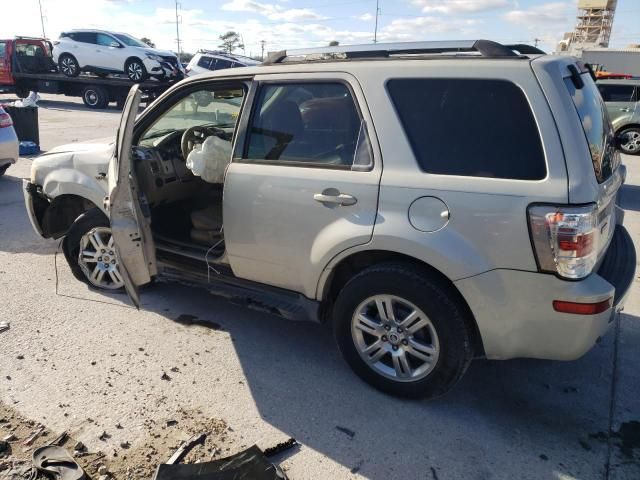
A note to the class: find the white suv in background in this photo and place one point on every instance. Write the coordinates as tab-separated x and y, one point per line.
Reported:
210	60
103	52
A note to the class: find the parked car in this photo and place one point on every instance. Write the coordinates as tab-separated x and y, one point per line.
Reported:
622	98
103	52
8	142
211	60
499	240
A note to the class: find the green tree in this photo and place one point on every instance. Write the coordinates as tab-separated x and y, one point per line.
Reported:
334	43
148	42
230	41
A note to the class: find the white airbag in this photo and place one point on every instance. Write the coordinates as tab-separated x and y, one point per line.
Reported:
210	159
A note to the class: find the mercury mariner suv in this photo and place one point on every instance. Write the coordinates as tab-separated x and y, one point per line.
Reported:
434	202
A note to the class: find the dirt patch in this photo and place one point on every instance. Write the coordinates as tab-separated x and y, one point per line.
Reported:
126	461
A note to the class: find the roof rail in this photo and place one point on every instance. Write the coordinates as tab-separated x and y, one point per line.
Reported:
525	49
485	48
24	37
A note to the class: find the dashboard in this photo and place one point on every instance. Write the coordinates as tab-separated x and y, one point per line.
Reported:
162	172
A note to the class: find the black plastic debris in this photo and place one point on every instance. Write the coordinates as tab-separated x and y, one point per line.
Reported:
251	464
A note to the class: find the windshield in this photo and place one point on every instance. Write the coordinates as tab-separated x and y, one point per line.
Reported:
596	126
129	40
217	108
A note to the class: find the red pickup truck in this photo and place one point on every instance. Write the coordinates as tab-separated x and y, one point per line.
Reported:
26	64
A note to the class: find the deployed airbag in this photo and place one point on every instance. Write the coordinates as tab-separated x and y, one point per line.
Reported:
210	159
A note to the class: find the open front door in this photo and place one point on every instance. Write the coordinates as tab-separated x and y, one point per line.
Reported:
130	228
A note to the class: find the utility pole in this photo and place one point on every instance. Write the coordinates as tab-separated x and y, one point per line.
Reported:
262	44
41	19
535	42
178	29
375	32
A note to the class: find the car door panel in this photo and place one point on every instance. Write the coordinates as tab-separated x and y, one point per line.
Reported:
285	222
131	230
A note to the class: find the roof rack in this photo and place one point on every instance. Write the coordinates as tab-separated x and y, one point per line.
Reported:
222	53
484	48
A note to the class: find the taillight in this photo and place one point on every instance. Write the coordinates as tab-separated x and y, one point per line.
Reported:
565	239
5	120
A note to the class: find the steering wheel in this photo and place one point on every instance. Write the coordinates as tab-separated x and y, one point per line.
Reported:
193	136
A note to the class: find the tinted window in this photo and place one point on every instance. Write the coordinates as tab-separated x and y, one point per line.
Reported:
3	48
84	37
616	93
221	64
478	128
205	62
596	126
314	123
105	40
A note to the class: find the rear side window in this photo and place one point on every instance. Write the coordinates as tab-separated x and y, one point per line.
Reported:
222	64
616	93
476	128
205	62
3	49
84	37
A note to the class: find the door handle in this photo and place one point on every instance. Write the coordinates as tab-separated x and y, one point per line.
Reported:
627	110
337	198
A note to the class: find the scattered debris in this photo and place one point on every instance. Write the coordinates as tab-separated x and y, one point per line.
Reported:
350	433
4	326
171	423
103	470
79	447
189	320
125	445
186	447
250	463
104	436
35	434
356	468
543	457
20	357
165	377
60	439
10	438
4	446
56	462
281	447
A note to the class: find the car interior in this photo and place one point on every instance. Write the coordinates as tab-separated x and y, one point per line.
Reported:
181	158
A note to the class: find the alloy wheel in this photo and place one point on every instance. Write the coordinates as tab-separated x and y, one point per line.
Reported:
97	259
68	66
630	141
395	338
134	71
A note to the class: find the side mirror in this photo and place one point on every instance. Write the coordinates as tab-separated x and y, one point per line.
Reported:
115	45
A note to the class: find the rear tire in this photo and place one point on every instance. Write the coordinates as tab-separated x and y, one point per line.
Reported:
4	169
630	140
135	70
95	97
68	65
422	357
98	266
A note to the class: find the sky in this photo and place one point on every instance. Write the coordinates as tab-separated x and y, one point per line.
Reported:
307	23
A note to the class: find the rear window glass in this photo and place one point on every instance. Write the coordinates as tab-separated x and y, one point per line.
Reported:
616	93
477	128
595	124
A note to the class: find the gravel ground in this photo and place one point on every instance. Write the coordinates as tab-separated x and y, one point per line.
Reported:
85	362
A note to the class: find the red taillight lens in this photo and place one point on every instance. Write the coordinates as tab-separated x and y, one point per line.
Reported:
582	308
565	238
5	120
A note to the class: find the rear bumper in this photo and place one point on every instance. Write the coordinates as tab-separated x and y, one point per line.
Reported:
514	309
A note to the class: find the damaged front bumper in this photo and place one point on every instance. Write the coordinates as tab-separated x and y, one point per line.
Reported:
36	204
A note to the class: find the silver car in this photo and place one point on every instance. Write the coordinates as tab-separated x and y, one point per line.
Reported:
622	98
432	202
8	142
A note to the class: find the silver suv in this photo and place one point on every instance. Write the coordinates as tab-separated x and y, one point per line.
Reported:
434	202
